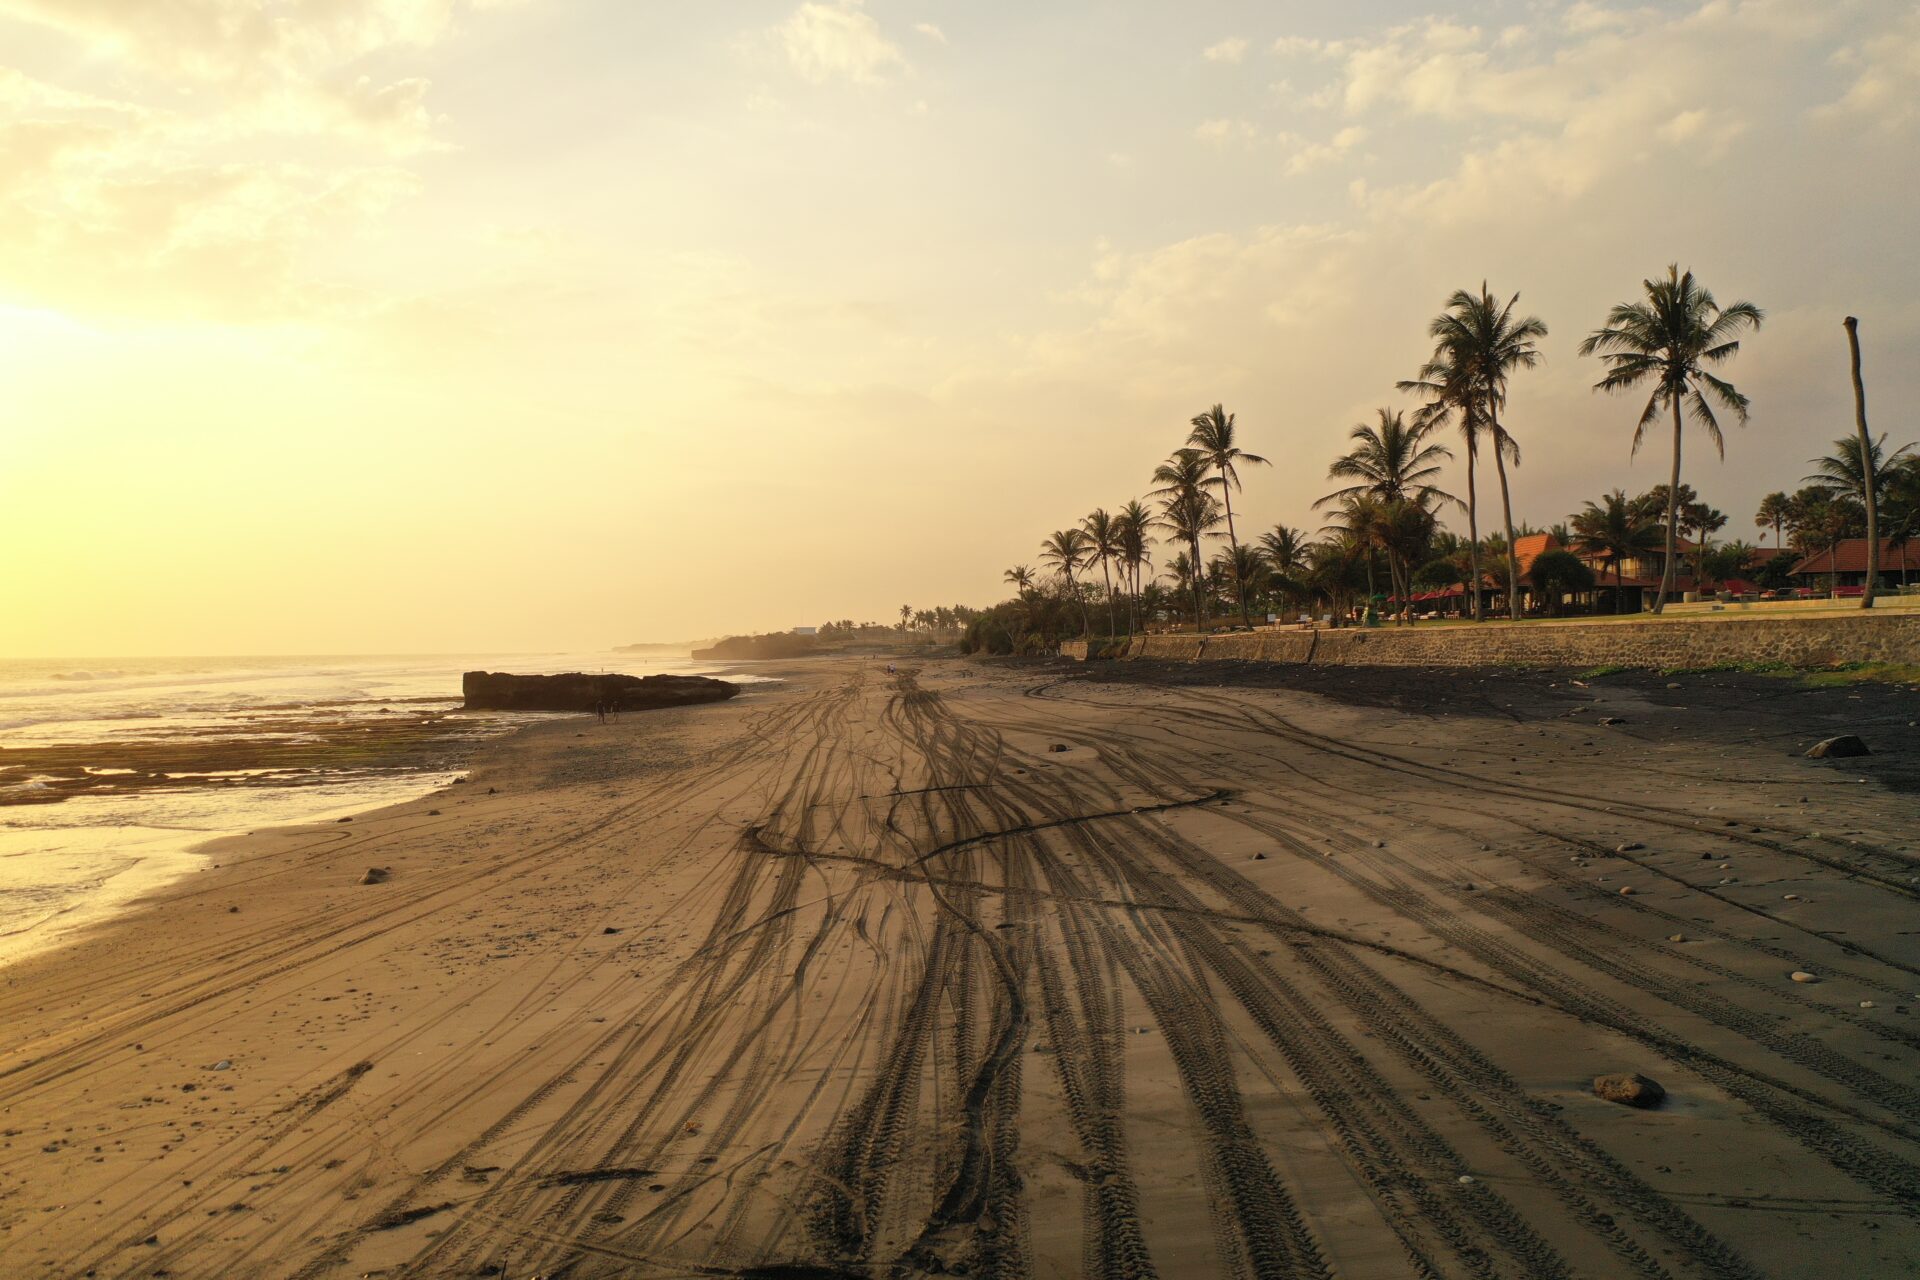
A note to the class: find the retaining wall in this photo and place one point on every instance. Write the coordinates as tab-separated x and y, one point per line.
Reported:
1802	642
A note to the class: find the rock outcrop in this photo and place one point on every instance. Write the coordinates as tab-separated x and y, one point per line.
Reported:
499	691
1835	748
1629	1090
754	648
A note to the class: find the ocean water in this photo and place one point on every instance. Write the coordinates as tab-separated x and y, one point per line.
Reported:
112	771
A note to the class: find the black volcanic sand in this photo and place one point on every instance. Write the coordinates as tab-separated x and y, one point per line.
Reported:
1712	709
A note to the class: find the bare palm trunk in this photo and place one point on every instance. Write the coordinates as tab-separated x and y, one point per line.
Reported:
1199	600
1866	468
1108	579
1506	510
1233	539
1673	517
1473	527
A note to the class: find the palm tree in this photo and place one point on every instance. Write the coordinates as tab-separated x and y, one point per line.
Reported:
1133	527
1285	549
1842	472
1612	533
1483	342
1103	544
1245	567
1066	551
1773	511
1448	386
1187	510
1213	436
1852	326
1668	340
906	611
1390	460
1020	577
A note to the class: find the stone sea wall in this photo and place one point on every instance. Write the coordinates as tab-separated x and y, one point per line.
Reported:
1802	642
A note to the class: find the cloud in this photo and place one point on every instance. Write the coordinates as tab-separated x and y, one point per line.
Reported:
931	32
245	138
1226	132
1232	49
1885	90
1318	155
840	41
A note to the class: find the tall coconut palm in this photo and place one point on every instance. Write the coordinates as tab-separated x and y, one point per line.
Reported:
1066	551
1020	577
1187	511
1447	384
1103	545
1668	339
1213	436
906	612
1483	340
1391	460
1773	511
1610	532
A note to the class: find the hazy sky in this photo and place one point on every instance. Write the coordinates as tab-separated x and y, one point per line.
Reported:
421	325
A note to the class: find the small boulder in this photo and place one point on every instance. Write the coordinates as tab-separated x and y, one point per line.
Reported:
1801	975
1630	846
1676	937
1836	748
1611	720
1626	891
1629	1090
375	875
1059	746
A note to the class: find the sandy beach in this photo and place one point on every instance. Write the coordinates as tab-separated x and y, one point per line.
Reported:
1024	969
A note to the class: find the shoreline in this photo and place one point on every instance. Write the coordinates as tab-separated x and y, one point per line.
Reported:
272	1067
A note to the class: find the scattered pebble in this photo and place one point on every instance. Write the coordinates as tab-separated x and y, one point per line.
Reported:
1801	975
1629	847
1676	937
1866	1004
1466	1179
1626	891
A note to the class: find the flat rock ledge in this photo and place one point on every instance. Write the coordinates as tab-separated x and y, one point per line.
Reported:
1629	1090
575	691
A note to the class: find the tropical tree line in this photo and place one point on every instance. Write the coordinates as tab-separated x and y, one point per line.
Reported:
1384	536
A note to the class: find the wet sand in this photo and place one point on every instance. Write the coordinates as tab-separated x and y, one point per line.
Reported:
1260	975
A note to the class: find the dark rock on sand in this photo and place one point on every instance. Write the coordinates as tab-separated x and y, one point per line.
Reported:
1837	748
1629	1090
375	875
499	691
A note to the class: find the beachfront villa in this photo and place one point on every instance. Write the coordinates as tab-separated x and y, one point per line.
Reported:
1845	565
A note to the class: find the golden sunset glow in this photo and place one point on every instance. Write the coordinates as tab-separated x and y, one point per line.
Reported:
399	325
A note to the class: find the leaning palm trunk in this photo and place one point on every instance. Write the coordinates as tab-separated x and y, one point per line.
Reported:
1866	470
1673	517
1473	526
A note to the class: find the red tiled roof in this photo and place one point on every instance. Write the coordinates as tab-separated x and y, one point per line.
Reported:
1530	548
1851	556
